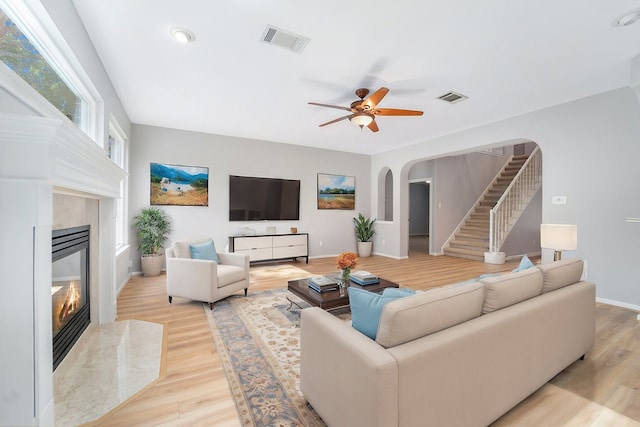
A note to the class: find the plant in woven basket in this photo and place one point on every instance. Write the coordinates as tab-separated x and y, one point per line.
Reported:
152	226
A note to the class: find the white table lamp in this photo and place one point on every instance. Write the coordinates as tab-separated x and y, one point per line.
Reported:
559	237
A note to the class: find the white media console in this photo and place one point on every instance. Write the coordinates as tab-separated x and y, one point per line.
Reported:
267	247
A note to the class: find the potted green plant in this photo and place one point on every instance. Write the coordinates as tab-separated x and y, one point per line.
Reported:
152	226
364	232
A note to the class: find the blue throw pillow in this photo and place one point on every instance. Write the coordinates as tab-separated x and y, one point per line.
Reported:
366	308
206	250
524	264
400	292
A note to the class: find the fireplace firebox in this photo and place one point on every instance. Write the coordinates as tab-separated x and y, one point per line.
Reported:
69	288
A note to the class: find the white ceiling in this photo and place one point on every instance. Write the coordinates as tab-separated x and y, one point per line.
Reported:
509	56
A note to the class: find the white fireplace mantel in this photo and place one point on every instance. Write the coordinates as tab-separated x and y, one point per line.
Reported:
40	156
56	151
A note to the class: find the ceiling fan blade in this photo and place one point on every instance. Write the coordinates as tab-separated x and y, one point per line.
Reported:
336	120
330	106
374	98
395	112
373	126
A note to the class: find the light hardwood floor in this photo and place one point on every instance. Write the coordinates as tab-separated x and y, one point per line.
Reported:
603	390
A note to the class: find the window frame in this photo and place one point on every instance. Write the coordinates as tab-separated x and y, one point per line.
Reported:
32	19
121	159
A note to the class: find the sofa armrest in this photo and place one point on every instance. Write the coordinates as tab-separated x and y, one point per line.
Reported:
231	258
191	278
348	378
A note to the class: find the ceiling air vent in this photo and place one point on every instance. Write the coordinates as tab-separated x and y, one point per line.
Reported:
452	97
286	39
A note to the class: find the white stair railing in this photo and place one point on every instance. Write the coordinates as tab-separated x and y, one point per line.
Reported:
515	198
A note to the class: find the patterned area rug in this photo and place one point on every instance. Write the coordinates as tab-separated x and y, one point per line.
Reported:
258	341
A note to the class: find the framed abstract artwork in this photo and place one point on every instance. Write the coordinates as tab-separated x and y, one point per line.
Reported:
179	185
336	192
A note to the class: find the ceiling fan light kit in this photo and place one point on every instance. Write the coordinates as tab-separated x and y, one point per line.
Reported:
363	110
361	119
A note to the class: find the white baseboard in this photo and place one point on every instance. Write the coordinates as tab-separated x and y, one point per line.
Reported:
619	304
389	256
122	285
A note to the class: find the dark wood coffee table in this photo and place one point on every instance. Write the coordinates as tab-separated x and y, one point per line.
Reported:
332	299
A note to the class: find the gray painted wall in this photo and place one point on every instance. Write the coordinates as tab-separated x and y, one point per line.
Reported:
330	231
590	150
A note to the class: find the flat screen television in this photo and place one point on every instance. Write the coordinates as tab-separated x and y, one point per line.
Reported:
267	199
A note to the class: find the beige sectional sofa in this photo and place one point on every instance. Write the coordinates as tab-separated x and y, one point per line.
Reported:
456	356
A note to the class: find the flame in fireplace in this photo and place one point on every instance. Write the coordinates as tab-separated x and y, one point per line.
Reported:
71	301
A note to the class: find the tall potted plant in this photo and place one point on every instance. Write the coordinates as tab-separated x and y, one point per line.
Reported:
152	226
364	232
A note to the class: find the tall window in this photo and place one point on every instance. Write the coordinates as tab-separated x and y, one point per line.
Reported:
117	151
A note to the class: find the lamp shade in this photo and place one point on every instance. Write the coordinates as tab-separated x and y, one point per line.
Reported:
559	237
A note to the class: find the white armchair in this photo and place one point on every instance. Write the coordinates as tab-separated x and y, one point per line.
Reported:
204	280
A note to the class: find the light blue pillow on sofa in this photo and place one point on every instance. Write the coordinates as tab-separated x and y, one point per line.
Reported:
206	250
525	263
401	292
366	308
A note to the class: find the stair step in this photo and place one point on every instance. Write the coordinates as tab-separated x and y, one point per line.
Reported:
476	232
476	235
479	217
475	245
489	203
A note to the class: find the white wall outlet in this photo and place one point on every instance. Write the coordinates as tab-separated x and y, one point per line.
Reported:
320	243
559	200
638	317
130	263
384	242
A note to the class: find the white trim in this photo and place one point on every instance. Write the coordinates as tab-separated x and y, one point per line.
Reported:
619	304
116	131
34	21
57	152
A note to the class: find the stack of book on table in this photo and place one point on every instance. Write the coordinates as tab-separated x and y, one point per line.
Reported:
323	284
364	278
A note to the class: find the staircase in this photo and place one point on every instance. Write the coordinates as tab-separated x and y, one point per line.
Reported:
473	236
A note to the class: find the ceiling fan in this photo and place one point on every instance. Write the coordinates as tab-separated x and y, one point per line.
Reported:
363	110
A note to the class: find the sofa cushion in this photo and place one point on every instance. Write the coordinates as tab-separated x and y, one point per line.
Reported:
206	250
560	274
366	307
228	274
424	313
503	291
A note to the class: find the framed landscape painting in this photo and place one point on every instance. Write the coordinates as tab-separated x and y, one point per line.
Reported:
179	185
336	192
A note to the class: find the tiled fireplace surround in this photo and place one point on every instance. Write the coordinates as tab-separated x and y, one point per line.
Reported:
51	176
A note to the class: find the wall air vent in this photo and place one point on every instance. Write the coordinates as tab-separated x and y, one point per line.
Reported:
452	97
286	39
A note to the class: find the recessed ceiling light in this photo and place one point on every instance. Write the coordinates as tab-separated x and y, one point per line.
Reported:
627	19
182	35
